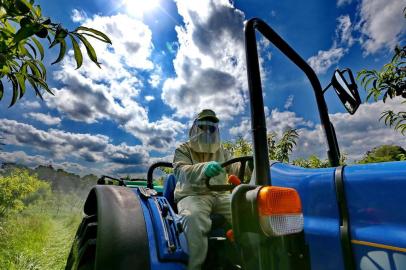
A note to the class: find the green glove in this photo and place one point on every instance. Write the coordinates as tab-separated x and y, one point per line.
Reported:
212	168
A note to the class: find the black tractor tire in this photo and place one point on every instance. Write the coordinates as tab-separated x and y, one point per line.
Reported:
112	234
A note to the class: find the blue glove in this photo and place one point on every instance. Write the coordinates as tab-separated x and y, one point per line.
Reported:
212	168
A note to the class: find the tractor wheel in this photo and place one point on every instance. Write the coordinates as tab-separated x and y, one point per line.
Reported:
112	234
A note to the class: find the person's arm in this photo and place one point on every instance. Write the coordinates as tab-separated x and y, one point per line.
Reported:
185	170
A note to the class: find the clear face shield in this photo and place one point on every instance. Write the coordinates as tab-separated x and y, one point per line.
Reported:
204	137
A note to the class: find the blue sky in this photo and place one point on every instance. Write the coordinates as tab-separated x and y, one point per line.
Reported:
169	59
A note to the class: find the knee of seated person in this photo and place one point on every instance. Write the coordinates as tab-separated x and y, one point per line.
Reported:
198	219
197	216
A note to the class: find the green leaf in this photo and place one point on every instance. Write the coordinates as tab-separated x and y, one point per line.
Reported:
59	36
24	33
23	51
46	21
367	82
43	69
34	69
33	49
4	70
21	83
23	6
94	36
89	48
34	85
44	85
104	37
1	90
15	89
77	52
38	11
62	51
9	28
364	78
362	72
39	46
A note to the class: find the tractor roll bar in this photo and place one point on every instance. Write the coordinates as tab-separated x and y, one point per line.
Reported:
151	169
258	122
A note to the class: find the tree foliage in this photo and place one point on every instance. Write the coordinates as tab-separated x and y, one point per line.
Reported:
23	30
384	153
389	82
18	189
282	148
311	162
278	149
241	147
315	162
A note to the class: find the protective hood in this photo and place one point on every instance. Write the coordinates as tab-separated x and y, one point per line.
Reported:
204	137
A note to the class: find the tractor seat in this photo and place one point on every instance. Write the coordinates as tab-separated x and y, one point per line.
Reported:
219	222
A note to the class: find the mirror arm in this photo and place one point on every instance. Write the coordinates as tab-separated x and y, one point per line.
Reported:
326	88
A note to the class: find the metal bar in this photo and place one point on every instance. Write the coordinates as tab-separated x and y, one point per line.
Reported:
257	110
151	169
345	236
258	122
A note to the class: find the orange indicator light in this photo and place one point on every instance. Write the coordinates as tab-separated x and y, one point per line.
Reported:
274	200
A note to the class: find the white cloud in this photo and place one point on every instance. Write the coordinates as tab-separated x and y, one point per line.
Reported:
30	104
63	145
32	161
341	3
289	102
22	158
149	98
344	30
382	24
210	61
155	80
276	121
325	59
343	41
91	94
356	134
46	119
78	15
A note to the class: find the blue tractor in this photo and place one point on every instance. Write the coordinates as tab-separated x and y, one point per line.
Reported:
283	217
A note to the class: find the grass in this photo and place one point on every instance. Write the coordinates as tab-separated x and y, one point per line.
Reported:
39	237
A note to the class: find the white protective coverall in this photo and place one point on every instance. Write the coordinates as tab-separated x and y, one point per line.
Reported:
195	201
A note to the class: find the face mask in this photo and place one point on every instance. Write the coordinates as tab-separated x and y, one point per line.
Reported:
204	137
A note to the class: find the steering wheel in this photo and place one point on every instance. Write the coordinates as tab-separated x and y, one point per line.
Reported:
243	161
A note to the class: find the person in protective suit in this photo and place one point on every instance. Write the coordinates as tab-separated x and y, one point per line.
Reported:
195	160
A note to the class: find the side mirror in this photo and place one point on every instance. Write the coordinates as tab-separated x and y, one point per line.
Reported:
346	89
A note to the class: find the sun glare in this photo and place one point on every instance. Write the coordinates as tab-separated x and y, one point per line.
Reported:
140	7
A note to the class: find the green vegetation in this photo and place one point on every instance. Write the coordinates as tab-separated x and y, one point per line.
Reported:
281	149
22	28
384	153
311	162
39	237
389	82
19	189
39	219
278	149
